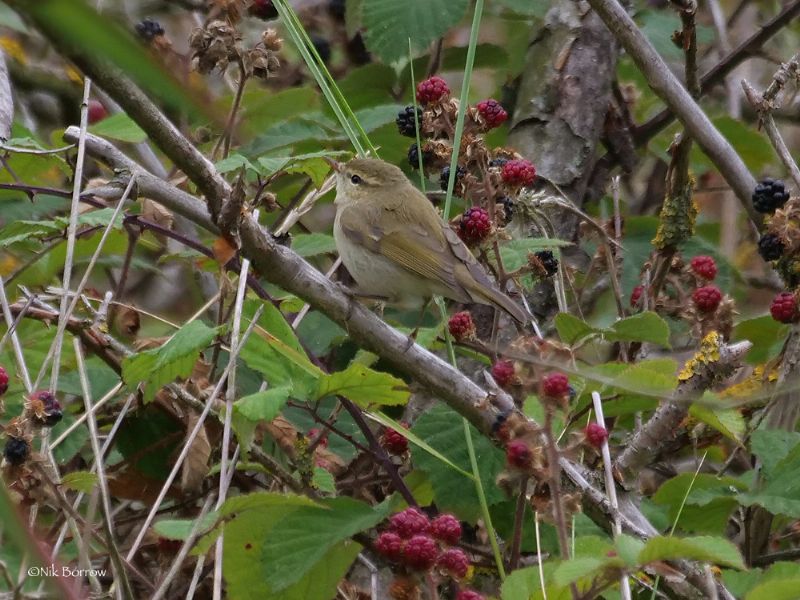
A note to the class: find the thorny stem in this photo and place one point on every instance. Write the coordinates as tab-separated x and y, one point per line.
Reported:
555	483
519	518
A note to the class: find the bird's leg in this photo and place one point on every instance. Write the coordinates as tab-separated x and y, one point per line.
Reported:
355	296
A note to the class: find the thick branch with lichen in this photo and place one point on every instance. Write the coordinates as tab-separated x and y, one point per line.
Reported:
714	361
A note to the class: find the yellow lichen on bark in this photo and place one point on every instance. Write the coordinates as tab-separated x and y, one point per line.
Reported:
708	353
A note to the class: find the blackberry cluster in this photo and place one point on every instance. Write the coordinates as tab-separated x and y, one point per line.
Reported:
444	178
549	261
17	450
337	8
263	9
503	373
405	121
595	434
461	326
508	208
770	247
475	226
149	29
769	195
413	156
322	46
393	442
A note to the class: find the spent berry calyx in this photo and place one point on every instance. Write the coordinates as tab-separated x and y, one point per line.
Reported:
16	450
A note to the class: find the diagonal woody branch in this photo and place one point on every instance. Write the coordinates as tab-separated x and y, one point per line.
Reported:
674	94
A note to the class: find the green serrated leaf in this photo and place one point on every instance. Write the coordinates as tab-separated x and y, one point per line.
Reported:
180	529
313	244
574	569
364	386
234	162
174	359
390	24
442	429
80	481
119	127
263	406
642	327
323	481
703	548
729	422
628	548
781	589
780	494
301	538
571	329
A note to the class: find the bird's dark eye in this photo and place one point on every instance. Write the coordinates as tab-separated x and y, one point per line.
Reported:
356	179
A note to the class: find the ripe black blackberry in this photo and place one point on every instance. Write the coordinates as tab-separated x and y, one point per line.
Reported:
498	162
322	46
549	262
444	178
357	51
17	450
337	9
149	29
413	156
770	247
769	195
405	121
508	208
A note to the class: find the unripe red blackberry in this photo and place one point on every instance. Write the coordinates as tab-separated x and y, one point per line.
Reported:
596	434
433	89
420	552
518	454
390	545
97	112
475	226
518	172
3	381
446	528
707	298
704	266
636	296
555	385
769	195
454	562
263	9
469	594
393	442
409	522
492	112
461	326
503	373
784	308
16	450
770	247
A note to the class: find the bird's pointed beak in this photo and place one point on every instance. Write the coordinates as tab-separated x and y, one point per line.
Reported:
335	164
